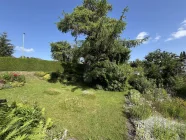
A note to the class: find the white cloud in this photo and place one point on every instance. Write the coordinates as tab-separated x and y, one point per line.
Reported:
181	32
142	35
168	39
184	23
157	38
24	49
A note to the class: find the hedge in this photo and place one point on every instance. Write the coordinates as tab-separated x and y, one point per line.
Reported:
28	64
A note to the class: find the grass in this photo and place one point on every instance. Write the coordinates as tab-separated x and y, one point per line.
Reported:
85	113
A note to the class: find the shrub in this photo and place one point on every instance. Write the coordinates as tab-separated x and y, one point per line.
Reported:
180	85
164	133
47	77
54	76
107	74
141	83
6	76
40	74
134	96
72	72
141	111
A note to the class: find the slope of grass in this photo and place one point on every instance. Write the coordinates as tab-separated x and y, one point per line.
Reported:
85	113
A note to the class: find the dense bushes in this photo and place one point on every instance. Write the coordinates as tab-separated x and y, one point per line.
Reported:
22	122
179	85
73	72
28	64
141	83
106	74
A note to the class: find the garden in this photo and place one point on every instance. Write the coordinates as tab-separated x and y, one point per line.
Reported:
92	91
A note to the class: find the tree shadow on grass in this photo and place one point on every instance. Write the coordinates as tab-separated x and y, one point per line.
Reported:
77	85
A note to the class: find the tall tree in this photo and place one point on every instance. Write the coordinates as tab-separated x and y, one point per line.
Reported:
102	44
6	48
162	66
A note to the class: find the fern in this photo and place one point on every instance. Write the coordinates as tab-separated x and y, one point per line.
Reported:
21	122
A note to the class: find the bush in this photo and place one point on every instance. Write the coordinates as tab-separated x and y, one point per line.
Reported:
47	77
21	121
141	83
172	109
72	72
28	64
164	133
141	111
54	76
179	85
134	96
40	74
107	74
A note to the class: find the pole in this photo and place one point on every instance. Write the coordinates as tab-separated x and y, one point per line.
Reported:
23	43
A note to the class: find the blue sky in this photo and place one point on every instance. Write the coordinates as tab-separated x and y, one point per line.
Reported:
163	20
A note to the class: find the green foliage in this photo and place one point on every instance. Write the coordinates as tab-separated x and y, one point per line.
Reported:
134	96
62	51
141	83
9	80
54	76
18	64
20	122
182	55
141	111
40	74
180	85
107	74
172	109
137	63
164	133
11	77
47	77
162	66
102	44
6	48
73	72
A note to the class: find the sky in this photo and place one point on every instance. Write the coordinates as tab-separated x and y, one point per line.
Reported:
164	21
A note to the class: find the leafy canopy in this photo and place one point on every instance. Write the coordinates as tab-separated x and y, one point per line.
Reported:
102	42
162	66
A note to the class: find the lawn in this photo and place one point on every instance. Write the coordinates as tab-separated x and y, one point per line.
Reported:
86	113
